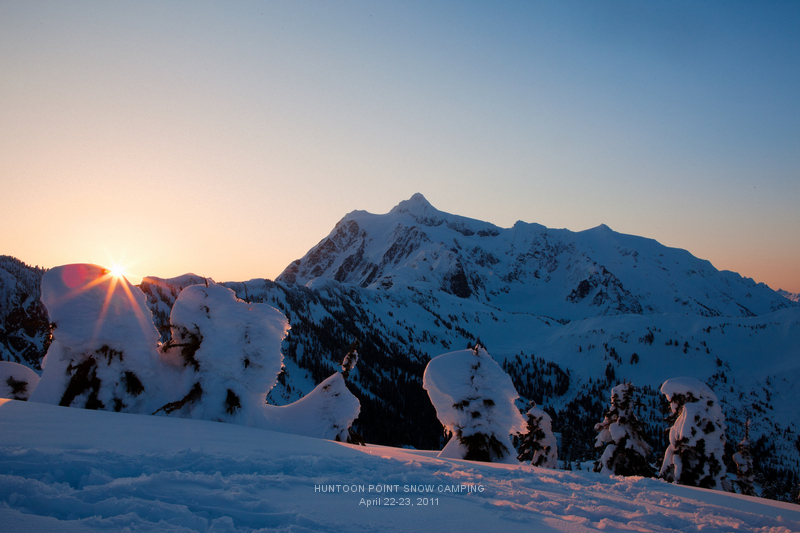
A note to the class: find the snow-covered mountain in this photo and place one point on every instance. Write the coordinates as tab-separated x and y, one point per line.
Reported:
527	268
792	296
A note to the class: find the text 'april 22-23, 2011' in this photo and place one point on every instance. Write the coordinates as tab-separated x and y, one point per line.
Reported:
395	495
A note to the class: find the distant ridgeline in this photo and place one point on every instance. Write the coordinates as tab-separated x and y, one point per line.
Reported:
567	315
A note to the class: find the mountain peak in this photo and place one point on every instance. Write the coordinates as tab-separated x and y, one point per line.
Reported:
416	205
601	229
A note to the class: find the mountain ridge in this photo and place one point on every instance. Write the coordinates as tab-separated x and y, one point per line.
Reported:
556	272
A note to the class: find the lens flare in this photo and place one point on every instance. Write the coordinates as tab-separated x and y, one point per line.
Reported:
118	271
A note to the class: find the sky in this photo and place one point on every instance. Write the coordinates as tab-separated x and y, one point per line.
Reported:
227	139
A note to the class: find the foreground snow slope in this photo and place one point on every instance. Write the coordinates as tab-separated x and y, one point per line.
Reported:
65	469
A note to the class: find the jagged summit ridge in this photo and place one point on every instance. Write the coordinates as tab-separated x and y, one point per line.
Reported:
527	268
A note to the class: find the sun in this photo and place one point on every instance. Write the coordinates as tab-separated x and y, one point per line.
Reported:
117	271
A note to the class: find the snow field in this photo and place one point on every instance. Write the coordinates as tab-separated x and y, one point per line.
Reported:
65	469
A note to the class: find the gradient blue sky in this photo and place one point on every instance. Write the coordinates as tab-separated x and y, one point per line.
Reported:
228	138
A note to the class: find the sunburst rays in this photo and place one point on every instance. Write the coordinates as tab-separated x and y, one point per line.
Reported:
81	279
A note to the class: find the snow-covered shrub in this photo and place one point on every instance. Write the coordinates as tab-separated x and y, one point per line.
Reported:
745	476
222	360
17	382
697	436
327	412
474	399
538	445
229	353
626	453
104	353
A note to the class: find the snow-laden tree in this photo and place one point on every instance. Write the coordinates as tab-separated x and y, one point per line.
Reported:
17	381
474	399
223	359
745	476
697	436
625	452
104	353
538	444
228	352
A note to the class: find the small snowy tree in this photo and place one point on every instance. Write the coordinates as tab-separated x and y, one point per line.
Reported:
17	382
697	436
744	464
538	445
474	399
620	434
104	353
228	352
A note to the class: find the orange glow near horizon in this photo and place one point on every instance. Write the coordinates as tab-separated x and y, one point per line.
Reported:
135	138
